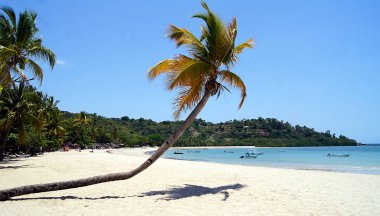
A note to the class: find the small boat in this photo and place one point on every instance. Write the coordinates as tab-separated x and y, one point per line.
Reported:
178	152
254	152
193	151
228	152
338	155
248	156
251	153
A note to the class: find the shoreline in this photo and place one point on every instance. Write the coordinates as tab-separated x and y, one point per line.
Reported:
171	187
339	168
216	147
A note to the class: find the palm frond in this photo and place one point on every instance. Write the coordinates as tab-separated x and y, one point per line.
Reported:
5	76
203	16
7	30
232	28
247	44
187	98
36	69
187	71
20	73
6	52
204	33
164	66
215	35
43	53
26	27
10	13
234	81
184	37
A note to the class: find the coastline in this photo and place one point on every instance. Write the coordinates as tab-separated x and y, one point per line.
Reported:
312	162
184	188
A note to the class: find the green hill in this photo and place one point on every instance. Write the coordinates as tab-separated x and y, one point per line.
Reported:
258	132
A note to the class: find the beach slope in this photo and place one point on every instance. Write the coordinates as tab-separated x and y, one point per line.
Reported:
173	187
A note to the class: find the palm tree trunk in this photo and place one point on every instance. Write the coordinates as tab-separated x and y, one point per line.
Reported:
38	188
3	142
2	148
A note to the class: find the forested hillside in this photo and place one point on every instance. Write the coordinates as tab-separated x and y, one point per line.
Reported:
138	132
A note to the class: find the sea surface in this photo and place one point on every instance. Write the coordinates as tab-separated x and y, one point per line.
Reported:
362	159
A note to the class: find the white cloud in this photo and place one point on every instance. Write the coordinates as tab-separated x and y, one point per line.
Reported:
60	62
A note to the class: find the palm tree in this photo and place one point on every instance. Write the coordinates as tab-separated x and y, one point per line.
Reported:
55	130
20	48
40	111
80	121
198	77
16	109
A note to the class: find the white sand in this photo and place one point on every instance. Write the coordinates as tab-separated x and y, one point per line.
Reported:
172	187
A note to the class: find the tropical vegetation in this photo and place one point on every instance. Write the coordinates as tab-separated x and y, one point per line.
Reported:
130	132
20	51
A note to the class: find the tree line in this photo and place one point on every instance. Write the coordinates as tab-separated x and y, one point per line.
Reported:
268	132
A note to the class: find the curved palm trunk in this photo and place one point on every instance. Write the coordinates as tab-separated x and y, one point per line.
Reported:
38	188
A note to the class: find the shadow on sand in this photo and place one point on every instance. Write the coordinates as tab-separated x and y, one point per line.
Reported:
188	190
17	167
174	193
67	198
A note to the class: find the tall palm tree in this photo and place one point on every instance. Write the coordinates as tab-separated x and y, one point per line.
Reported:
40	111
46	117
53	117
54	126
20	48
16	109
198	77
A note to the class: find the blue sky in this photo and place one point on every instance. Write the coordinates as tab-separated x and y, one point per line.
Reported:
316	63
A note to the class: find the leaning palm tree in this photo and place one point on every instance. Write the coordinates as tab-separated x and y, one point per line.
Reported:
20	48
204	73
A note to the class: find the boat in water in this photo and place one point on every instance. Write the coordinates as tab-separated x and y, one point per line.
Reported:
250	154
194	151
254	152
338	155
178	152
228	152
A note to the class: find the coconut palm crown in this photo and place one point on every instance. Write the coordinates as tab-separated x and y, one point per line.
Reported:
20	48
208	66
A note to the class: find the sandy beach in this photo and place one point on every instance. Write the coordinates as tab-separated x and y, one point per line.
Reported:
173	187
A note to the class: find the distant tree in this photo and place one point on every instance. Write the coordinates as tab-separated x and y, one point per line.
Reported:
54	127
81	122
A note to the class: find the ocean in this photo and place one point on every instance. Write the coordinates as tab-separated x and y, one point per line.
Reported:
362	159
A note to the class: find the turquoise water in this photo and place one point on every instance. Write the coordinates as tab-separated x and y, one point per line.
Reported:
363	159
